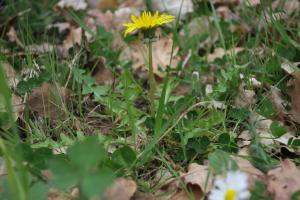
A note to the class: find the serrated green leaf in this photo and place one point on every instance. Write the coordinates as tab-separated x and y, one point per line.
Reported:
87	154
277	130
124	156
221	161
93	185
65	175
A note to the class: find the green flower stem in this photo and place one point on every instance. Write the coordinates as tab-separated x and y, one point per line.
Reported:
152	82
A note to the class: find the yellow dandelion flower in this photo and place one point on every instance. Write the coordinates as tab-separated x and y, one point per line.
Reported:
147	21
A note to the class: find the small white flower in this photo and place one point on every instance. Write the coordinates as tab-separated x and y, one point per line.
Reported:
232	187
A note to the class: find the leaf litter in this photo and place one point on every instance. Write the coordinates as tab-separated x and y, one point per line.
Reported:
50	100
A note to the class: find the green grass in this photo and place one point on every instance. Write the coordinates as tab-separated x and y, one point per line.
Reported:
109	131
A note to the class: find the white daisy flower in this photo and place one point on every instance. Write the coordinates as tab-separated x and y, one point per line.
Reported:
232	187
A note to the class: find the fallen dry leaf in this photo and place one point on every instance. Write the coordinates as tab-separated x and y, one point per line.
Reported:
196	179
198	182
246	167
49	101
95	18
55	194
201	26
244	138
162	50
110	21
245	98
174	7
102	74
122	16
75	4
277	101
225	13
18	106
108	4
195	191
220	53
289	68
138	4
10	74
74	37
122	189
283	181
251	2
295	97
262	125
116	4
198	175
182	90
12	37
288	6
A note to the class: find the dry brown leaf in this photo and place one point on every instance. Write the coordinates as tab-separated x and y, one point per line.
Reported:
244	139
289	68
18	106
10	75
262	125
220	53
245	98
288	6
174	7
283	181
108	4
246	167
122	16
263	130
202	26
162	50
197	180
75	4
182	90
295	97
225	13
277	101
196	193
12	36
138	4
96	18
49	101
251	2
55	194
116	4
198	175
102	74
74	37
121	189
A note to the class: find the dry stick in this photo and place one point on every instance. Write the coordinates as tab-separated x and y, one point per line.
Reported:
74	60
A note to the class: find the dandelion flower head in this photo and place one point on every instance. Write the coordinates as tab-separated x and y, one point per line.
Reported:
232	187
147	21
